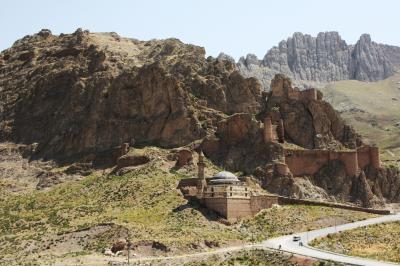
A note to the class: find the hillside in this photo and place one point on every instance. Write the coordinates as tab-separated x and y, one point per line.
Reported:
93	127
68	93
379	242
77	98
82	218
373	109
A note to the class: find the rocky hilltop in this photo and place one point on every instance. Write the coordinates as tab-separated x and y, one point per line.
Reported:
83	97
82	93
324	58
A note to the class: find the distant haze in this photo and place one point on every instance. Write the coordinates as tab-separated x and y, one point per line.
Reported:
234	27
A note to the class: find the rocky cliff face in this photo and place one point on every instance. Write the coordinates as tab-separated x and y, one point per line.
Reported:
83	92
324	58
80	95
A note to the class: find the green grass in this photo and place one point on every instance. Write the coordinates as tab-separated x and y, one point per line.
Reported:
144	203
380	242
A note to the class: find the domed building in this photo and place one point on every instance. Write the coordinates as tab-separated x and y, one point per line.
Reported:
227	185
224	193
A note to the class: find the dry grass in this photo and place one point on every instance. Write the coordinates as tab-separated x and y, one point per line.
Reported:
145	203
376	109
381	242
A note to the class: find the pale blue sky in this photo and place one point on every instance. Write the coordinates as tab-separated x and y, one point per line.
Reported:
234	27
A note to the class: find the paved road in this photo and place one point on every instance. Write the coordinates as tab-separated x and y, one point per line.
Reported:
287	243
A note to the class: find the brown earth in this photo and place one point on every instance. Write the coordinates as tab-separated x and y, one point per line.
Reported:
76	98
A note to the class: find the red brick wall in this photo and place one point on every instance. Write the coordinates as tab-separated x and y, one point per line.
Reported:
308	162
305	162
349	158
368	155
374	157
363	156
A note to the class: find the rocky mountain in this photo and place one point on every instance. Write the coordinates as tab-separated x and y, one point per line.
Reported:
78	98
324	58
82	93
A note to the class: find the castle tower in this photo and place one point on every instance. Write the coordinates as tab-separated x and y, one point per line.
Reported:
268	132
201	180
374	157
353	169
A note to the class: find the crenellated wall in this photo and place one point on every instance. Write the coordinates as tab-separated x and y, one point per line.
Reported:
308	162
296	93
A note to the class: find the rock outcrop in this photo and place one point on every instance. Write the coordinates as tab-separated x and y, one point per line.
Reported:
86	92
85	97
324	58
311	124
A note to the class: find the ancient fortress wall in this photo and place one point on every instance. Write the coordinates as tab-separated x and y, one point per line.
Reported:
291	201
309	162
261	202
350	160
305	162
368	155
295	93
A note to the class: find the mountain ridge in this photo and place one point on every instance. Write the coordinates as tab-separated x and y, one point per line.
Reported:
324	58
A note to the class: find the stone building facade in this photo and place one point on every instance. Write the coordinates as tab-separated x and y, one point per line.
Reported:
225	194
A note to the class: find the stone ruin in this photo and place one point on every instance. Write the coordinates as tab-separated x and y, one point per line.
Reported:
300	162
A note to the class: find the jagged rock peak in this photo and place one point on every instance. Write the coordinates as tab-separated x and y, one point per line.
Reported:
324	58
223	56
251	59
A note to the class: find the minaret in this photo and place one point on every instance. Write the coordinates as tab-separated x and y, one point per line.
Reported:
201	181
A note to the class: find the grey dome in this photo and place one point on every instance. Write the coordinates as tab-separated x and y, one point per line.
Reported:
224	177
